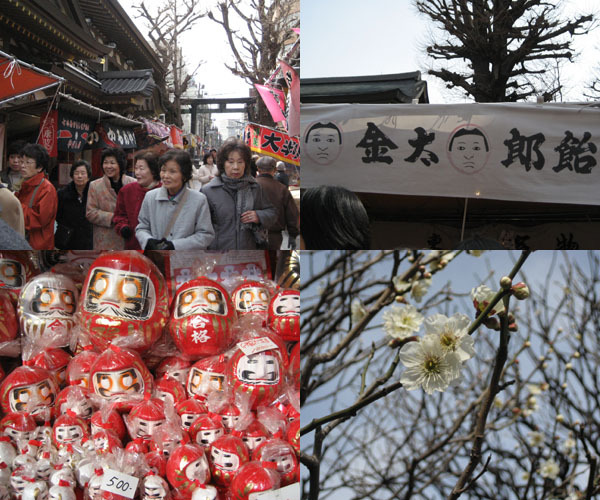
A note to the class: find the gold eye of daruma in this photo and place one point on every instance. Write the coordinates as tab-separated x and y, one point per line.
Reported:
67	297
188	297
211	296
100	284
131	288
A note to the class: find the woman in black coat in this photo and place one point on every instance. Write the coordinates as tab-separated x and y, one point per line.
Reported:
72	200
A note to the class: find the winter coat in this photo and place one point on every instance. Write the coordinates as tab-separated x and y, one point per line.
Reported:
129	203
207	173
7	179
39	218
101	204
287	212
225	217
71	213
192	228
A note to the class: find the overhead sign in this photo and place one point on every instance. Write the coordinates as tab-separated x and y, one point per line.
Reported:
73	131
522	152
271	142
108	135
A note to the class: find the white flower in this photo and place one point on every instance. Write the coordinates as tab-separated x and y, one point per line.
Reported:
482	296
534	388
549	468
419	289
428	365
358	310
452	334
401	322
535	438
569	444
400	285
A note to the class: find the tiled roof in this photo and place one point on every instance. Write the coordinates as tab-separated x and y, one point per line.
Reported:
127	82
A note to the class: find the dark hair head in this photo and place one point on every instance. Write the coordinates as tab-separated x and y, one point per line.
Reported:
14	148
469	131
182	158
37	153
229	146
119	155
152	160
80	163
323	125
266	164
206	157
333	218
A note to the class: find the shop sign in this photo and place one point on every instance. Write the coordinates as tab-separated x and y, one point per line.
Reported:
271	142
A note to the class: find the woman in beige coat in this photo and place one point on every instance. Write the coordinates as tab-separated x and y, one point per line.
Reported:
102	199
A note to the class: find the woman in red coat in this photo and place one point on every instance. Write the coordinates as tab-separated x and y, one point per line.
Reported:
129	200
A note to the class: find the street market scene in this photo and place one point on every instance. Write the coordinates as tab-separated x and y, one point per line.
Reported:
149	216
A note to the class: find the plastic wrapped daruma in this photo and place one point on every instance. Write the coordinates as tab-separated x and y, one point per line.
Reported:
201	318
124	295
47	307
16	268
254	477
30	389
284	314
251	298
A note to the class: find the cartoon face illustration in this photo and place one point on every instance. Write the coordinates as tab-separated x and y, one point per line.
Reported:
68	434
468	150
202	382
207	436
120	294
259	368
12	273
198	469
323	143
224	460
287	305
32	398
50	301
111	385
251	299
201	300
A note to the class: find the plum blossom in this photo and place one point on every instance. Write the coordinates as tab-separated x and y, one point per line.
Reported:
400	285
358	310
401	322
549	468
535	438
428	365
482	296
452	334
420	288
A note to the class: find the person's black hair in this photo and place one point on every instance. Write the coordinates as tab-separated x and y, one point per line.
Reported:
213	149
323	125
152	160
182	158
38	153
333	218
14	147
80	163
469	131
206	157
229	146
119	155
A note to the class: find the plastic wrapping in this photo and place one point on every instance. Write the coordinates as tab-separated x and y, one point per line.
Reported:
34	490
176	367
154	487
30	389
74	398
227	454
206	429
254	477
10	344
78	369
145	418
283	454
8	451
108	419
68	428
106	441
254	435
284	315
61	493
124	295
251	299
55	360
16	268
170	390
167	438
19	427
206	376
187	467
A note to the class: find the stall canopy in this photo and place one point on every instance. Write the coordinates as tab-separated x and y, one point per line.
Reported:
19	79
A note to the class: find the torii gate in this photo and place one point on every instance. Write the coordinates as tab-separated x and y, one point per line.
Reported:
222	103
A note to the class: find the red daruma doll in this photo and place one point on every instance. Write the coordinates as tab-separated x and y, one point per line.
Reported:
284	315
16	268
124	295
201	318
251	298
30	389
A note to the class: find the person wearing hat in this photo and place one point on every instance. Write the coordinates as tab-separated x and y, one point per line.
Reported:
281	175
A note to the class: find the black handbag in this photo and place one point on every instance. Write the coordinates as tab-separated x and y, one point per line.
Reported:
62	237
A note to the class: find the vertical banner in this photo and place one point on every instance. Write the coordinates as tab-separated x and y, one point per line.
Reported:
274	99
48	132
177	137
293	98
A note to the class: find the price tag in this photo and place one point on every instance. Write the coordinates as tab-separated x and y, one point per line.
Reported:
291	492
256	345
119	483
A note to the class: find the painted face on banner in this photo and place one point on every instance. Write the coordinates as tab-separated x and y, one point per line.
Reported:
120	294
323	143
468	149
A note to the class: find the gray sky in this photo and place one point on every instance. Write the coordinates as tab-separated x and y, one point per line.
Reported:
353	38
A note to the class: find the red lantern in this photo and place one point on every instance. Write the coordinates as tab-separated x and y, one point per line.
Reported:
227	455
124	295
187	467
254	477
201	318
284	314
30	389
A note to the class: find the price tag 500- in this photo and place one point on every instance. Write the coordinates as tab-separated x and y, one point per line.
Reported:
119	483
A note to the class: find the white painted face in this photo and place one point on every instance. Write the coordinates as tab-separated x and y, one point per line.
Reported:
253	442
225	460
259	369
64	474
52	302
202	382
165	396
187	419
285	463
37	490
69	434
43	433
200	300
145	428
17	482
287	305
205	492
120	294
82	408
154	488
94	491
206	437
43	469
251	299
198	469
32	398
112	385
17	436
179	374
229	420
12	273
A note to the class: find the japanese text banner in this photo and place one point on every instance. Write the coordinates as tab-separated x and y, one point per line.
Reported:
521	152
270	142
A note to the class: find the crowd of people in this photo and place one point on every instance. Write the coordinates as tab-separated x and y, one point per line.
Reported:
232	201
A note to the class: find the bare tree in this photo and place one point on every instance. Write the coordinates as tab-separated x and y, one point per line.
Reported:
256	48
521	422
167	23
504	43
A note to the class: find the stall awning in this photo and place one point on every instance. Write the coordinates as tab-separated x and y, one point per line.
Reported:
20	79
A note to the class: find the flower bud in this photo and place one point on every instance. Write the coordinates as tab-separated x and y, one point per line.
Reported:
520	291
505	282
560	418
576	354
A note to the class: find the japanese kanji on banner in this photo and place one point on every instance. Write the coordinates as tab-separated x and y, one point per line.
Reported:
271	142
521	152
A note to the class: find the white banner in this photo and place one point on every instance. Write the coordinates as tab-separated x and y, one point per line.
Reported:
521	152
